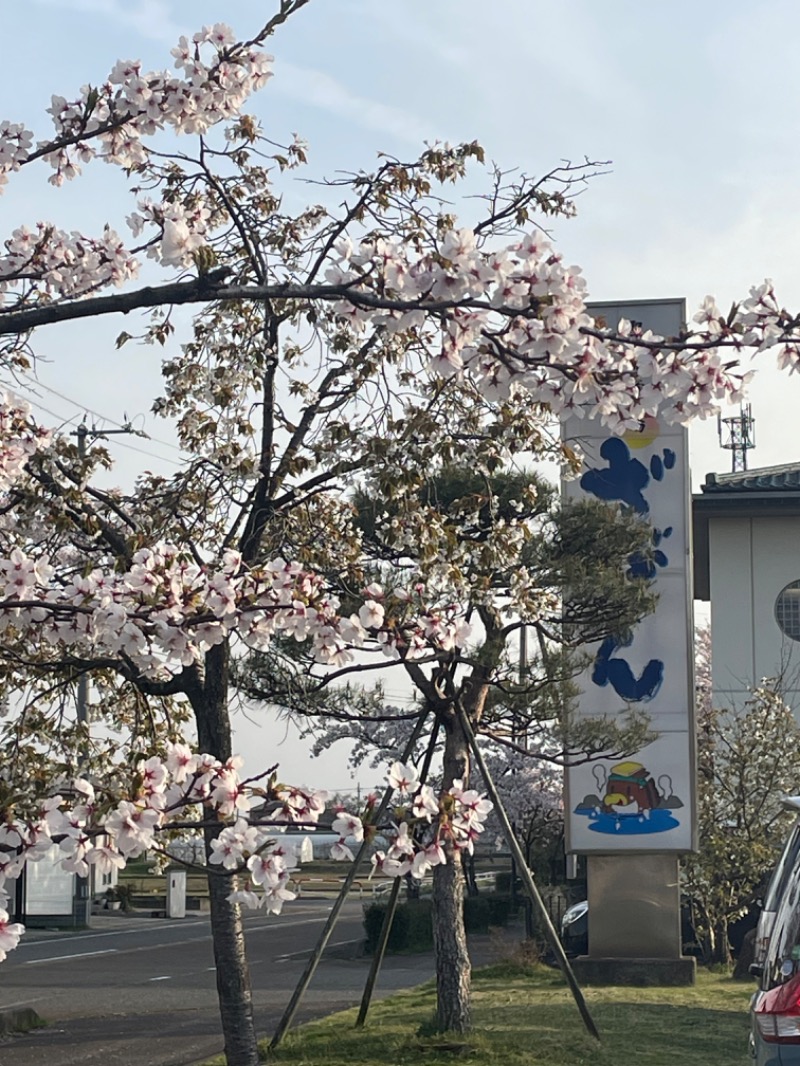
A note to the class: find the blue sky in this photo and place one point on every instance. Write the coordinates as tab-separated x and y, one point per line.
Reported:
694	105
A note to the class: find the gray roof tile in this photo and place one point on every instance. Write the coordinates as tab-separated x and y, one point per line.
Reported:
778	478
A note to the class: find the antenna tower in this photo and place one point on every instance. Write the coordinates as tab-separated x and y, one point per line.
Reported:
737	435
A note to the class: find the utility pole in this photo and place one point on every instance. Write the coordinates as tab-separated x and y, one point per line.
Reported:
82	899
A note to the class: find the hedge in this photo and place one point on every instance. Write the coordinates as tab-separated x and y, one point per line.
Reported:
412	928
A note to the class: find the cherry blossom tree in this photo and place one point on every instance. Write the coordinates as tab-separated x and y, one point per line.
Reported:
532	795
500	529
359	342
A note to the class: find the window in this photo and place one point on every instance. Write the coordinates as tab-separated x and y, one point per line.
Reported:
787	610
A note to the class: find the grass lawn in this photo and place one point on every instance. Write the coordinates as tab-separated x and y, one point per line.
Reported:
527	1016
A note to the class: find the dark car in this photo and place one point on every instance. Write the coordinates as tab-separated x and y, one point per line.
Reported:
575	929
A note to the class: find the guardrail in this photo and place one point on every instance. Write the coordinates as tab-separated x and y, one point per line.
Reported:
307	882
323	884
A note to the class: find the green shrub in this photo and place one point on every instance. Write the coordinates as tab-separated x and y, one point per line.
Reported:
502	881
481	912
412	928
121	893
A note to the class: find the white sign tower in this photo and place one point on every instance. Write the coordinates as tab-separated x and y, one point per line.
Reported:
633	817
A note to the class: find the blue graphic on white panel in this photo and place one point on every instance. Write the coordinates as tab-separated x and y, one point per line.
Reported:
617	672
629	802
646	568
625	479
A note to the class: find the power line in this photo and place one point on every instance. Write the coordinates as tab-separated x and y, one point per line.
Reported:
97	414
143	451
53	414
119	426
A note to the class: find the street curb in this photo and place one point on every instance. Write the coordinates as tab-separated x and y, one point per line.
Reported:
19	1020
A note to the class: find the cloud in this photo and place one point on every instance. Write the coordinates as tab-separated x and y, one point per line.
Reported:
153	20
421	28
149	18
319	90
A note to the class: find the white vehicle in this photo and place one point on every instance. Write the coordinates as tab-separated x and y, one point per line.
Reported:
790	857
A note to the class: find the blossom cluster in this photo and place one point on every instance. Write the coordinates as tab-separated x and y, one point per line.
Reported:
165	611
216	76
182	231
20	439
82	827
419	840
516	318
89	829
512	317
64	264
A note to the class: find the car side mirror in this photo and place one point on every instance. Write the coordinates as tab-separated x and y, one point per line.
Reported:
756	970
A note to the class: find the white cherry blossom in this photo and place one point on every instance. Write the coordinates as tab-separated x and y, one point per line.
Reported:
10	932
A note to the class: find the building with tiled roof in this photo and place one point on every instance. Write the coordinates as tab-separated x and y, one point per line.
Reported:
746	529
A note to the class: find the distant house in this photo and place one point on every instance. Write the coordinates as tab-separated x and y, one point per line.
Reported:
46	894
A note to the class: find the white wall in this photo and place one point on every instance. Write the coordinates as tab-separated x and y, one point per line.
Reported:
751	560
49	889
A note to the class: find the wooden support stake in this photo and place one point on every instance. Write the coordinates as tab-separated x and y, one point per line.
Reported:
527	879
324	937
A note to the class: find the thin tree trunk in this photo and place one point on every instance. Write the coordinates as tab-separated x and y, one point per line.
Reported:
209	698
453	970
233	974
719	944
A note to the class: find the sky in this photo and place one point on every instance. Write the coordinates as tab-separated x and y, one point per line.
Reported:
688	109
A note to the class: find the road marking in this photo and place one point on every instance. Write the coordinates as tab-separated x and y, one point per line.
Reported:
285	925
76	955
21	1002
161	978
142	925
153	925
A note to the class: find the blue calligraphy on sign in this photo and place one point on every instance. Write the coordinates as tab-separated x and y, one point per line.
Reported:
617	672
647	566
625	480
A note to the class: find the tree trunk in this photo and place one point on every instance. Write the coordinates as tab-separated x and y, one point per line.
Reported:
233	974
453	971
468	865
209	699
719	945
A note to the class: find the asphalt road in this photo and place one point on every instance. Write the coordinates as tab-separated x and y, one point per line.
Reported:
141	992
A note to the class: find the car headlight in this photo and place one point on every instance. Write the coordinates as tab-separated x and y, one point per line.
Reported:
572	914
